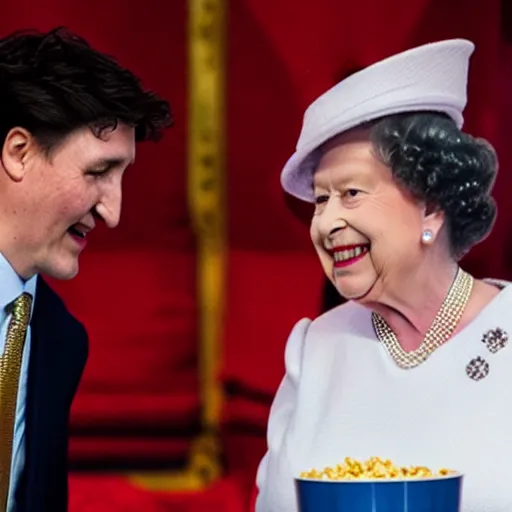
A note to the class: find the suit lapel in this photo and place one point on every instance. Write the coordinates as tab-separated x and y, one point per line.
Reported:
57	358
40	417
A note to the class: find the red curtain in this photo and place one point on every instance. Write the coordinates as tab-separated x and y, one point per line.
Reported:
136	289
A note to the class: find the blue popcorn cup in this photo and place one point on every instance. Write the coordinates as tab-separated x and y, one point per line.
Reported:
432	494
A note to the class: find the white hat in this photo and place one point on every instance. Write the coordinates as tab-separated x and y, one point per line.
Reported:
432	77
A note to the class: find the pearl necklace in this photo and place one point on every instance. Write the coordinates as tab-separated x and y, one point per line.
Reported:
439	332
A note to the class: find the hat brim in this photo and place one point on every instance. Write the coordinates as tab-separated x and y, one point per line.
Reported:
297	174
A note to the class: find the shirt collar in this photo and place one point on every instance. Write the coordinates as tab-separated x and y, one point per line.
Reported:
12	285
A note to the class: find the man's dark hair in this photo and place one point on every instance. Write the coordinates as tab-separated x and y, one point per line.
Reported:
446	168
54	83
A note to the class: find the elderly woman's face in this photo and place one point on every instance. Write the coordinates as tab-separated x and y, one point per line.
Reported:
366	229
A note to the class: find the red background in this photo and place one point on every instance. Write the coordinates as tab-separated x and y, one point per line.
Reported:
136	292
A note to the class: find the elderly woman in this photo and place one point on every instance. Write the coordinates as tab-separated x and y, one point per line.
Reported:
415	366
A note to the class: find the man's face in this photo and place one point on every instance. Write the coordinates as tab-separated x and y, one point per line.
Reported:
59	198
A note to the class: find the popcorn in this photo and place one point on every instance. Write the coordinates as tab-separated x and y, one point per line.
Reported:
374	468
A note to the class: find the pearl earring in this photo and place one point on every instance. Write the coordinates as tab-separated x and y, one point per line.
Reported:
427	236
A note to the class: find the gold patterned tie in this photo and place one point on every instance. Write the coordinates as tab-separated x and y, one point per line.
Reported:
10	366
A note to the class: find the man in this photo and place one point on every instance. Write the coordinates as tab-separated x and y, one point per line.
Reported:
69	120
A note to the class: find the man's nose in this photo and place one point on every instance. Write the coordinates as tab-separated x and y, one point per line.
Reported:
109	207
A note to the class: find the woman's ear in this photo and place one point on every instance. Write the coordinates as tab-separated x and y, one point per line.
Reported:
432	224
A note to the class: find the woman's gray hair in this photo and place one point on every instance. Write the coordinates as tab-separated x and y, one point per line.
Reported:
446	168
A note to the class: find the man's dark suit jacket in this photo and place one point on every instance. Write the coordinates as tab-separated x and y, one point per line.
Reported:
59	349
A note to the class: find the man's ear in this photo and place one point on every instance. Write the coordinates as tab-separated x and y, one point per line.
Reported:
15	152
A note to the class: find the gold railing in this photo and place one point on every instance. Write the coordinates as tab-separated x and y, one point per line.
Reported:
206	167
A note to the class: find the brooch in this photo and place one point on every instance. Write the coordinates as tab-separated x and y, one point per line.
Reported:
477	368
495	339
